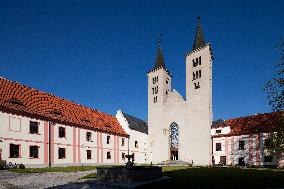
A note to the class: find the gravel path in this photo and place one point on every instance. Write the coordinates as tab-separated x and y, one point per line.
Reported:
42	180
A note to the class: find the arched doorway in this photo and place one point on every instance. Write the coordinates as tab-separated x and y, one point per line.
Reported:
174	140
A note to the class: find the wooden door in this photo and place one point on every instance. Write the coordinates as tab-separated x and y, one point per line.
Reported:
223	160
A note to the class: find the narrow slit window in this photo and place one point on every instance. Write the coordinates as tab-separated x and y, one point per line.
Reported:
62	133
108	139
108	155
122	142
199	73
89	154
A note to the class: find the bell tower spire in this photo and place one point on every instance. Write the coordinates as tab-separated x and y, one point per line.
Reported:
160	58
199	38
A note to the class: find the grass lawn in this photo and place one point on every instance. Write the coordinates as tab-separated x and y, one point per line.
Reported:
187	177
90	176
54	169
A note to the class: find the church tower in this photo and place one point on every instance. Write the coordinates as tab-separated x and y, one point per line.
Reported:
159	87
199	98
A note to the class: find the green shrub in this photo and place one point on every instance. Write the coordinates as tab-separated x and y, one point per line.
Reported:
3	164
22	166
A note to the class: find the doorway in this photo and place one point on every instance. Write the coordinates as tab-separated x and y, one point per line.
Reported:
223	160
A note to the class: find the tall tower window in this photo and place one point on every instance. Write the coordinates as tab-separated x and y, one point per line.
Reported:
196	62
196	85
155	99
199	73
155	79
193	75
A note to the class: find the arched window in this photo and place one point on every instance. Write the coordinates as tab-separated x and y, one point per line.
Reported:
174	133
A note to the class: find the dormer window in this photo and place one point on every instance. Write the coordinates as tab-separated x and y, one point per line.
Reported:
85	120
56	112
16	101
218	131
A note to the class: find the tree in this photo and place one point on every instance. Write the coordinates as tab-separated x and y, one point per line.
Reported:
275	96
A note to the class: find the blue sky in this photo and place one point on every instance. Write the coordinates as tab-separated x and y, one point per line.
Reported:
97	53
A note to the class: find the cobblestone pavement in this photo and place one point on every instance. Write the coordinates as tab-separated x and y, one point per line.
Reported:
44	180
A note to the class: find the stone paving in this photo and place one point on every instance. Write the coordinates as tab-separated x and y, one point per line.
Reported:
44	180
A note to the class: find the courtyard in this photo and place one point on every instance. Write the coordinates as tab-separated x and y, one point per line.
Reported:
182	177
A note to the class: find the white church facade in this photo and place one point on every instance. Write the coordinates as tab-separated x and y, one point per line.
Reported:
179	128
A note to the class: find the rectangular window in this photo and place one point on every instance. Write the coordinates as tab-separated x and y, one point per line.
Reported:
89	154
199	60
241	145
108	139
218	131
193	76
61	131
122	142
108	155
199	73
123	156
34	151
218	147
15	124
88	136
14	150
136	144
268	158
61	153
33	127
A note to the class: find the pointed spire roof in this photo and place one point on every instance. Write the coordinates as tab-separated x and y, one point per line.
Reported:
199	39
160	58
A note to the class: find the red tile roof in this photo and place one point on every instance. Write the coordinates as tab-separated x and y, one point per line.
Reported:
23	100
259	123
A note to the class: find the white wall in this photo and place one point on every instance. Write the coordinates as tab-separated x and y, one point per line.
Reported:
140	152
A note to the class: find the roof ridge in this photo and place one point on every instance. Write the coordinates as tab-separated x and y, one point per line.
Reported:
53	95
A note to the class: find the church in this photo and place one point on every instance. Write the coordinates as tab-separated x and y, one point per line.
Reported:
179	128
40	129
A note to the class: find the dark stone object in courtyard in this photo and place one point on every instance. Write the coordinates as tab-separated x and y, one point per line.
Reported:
129	175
